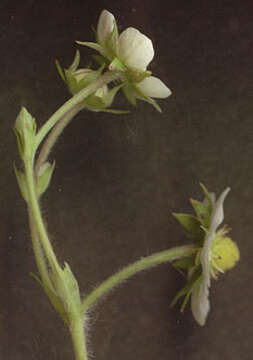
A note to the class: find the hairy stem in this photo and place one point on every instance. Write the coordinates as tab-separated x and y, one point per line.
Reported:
38	226
53	136
132	269
78	338
38	252
75	100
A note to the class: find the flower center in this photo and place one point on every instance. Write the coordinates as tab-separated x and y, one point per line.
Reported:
225	253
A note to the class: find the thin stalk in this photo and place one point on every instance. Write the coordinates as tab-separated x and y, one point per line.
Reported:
76	99
78	338
36	214
53	136
38	252
132	269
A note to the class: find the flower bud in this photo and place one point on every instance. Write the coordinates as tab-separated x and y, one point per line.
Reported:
25	130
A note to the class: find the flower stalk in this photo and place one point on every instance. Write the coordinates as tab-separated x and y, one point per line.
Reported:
132	269
78	338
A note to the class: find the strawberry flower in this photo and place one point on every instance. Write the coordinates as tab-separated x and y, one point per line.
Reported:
129	53
215	252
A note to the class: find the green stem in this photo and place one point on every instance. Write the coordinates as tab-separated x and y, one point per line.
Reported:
76	99
36	214
38	252
132	269
53	136
78	338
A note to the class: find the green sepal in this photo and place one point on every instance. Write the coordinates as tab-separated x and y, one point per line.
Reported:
21	183
60	71
185	263
202	212
44	177
71	81
99	103
67	290
116	64
54	299
190	223
208	196
137	76
93	46
153	102
129	93
101	60
25	130
115	111
187	289
95	103
148	99
75	62
19	142
109	97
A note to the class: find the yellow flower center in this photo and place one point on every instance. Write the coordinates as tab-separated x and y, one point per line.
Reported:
225	253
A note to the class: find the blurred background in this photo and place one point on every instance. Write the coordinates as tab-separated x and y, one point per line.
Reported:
118	178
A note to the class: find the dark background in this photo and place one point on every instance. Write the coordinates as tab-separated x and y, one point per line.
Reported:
118	178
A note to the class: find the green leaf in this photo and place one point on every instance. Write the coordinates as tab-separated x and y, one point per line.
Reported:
44	177
21	183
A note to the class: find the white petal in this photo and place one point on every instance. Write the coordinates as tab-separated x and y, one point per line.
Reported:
218	213
200	305
205	257
153	87
135	49
217	217
200	295
105	26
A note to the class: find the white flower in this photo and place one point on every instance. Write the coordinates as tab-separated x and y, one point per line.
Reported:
200	294
130	53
